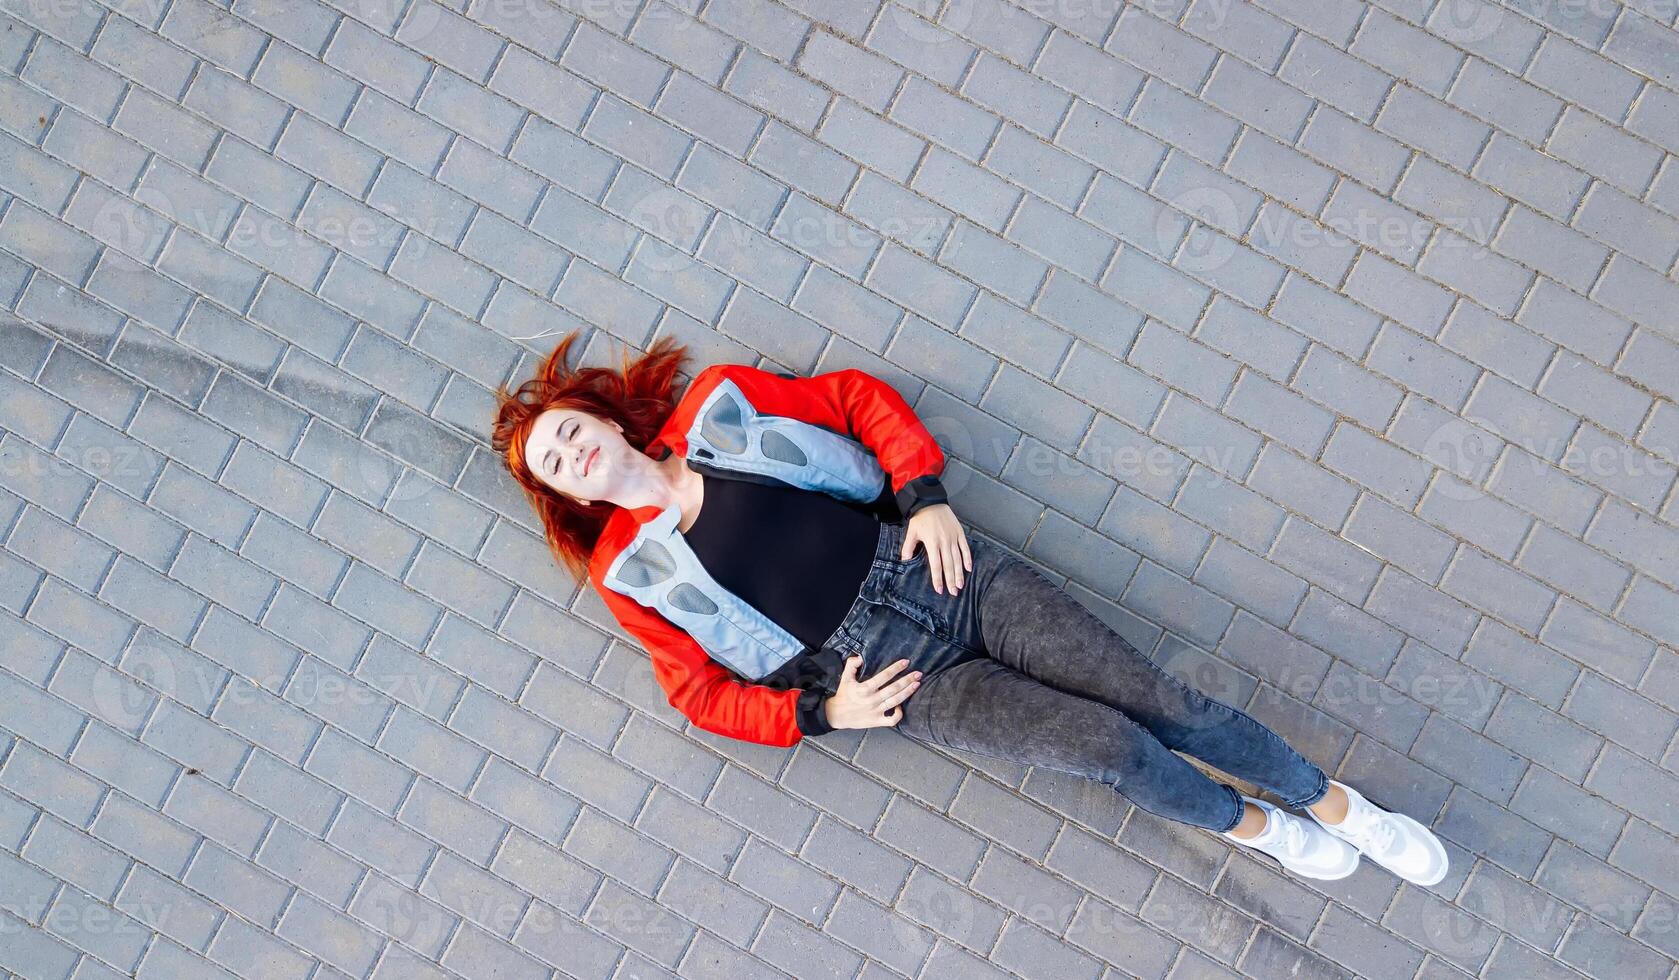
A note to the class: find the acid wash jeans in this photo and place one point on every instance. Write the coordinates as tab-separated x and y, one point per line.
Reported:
1015	668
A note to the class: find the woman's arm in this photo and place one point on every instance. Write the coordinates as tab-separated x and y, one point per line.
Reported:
706	693
862	406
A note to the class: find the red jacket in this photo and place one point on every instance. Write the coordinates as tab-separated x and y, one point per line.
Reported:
851	402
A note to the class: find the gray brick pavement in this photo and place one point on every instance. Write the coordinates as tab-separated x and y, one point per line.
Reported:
1326	349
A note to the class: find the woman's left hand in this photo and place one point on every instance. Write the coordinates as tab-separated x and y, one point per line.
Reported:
936	528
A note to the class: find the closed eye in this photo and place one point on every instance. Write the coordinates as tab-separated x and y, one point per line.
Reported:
553	457
555	469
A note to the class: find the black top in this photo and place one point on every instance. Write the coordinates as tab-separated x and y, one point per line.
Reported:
798	556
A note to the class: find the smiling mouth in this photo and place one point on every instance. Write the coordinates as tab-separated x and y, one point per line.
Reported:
589	463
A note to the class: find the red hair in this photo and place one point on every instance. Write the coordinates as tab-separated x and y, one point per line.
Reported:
639	396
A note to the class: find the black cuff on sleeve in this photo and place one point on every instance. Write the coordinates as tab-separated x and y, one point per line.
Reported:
811	721
885	506
923	491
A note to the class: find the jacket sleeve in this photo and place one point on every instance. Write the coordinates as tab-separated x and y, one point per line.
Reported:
856	403
707	694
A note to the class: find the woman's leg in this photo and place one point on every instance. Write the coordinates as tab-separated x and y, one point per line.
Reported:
988	708
1035	627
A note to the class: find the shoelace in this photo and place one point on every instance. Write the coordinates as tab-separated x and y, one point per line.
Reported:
1294	837
1375	837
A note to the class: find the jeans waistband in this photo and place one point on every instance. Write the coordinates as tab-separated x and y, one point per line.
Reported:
888	544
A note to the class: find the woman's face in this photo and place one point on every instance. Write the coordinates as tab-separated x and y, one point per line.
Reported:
576	453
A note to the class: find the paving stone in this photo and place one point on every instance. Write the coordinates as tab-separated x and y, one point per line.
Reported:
1253	274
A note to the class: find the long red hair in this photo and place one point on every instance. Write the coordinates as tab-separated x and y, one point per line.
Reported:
639	396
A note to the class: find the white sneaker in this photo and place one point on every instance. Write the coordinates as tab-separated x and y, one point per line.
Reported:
1300	847
1392	840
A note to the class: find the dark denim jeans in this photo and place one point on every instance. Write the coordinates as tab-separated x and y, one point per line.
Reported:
1017	669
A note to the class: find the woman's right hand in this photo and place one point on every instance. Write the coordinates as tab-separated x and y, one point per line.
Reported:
871	703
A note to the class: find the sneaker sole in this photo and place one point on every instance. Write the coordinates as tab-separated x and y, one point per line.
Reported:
1272	858
1345	874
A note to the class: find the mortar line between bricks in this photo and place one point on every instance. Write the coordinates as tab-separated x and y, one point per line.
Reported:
109	791
1615	21
29	48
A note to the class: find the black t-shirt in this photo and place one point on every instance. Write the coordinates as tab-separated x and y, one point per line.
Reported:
798	556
